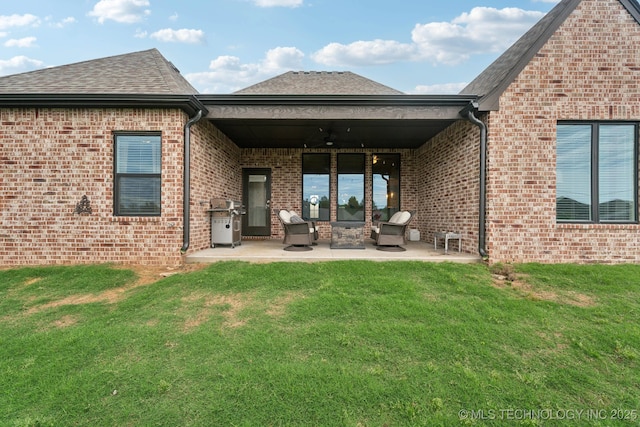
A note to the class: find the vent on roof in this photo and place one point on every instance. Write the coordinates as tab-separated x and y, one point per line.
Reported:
174	67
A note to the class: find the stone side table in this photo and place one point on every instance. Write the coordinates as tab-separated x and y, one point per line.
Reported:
347	235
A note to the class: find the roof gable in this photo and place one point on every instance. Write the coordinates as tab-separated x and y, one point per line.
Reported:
318	83
144	72
495	79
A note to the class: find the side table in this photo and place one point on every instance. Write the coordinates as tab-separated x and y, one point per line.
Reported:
447	235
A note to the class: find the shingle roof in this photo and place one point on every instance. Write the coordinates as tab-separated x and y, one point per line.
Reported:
144	72
495	79
497	76
318	83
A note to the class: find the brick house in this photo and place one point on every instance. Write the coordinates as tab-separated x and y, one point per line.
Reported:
536	160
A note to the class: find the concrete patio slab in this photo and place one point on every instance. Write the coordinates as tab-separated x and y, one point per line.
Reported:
272	250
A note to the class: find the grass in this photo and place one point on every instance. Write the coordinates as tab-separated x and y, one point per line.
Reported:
351	343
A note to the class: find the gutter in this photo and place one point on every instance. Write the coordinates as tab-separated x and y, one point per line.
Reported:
188	103
468	114
186	182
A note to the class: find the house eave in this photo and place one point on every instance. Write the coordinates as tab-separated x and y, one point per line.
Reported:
376	121
188	103
353	100
334	107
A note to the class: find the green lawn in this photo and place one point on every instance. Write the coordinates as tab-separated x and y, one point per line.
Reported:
351	343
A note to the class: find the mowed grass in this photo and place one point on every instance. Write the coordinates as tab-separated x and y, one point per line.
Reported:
352	343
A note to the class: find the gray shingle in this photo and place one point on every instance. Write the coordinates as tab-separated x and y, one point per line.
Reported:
144	72
318	83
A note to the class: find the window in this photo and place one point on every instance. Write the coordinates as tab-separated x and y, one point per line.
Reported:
350	187
596	172
316	201
137	174
386	186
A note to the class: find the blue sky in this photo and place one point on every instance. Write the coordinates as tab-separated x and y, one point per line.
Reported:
416	46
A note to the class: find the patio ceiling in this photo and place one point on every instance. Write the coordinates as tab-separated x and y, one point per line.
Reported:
294	121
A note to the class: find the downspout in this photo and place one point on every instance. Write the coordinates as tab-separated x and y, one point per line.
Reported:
483	181
186	182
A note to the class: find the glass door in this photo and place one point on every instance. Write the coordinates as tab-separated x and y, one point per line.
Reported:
256	197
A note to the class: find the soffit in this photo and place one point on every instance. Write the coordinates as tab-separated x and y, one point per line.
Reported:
393	121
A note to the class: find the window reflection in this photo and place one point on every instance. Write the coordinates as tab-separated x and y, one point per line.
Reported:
596	169
386	186
316	202
350	187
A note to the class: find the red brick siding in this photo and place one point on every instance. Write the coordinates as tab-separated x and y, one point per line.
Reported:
286	177
448	184
588	70
50	158
215	173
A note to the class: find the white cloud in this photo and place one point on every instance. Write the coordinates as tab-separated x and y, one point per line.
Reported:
19	64
179	36
483	30
278	3
282	58
23	42
228	74
376	52
174	17
11	21
61	24
123	11
446	88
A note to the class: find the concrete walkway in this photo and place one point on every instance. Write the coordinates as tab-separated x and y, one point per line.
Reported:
258	251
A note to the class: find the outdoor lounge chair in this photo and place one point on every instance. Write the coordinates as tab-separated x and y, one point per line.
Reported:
389	235
299	234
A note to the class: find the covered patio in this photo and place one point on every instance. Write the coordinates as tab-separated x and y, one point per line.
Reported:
336	147
271	250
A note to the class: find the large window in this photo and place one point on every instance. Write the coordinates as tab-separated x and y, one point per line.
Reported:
351	187
137	174
386	186
596	172
316	201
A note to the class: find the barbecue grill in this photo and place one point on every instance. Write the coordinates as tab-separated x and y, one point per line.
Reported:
226	224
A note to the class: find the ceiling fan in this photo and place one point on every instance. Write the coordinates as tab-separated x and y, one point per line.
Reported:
330	139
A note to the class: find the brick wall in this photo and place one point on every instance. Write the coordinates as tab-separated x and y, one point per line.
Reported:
50	158
588	70
215	173
448	184
286	177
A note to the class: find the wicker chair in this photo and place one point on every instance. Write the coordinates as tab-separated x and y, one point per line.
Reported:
299	235
389	235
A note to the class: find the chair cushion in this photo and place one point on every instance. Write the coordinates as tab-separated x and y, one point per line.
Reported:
404	217
295	219
394	217
375	229
285	216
